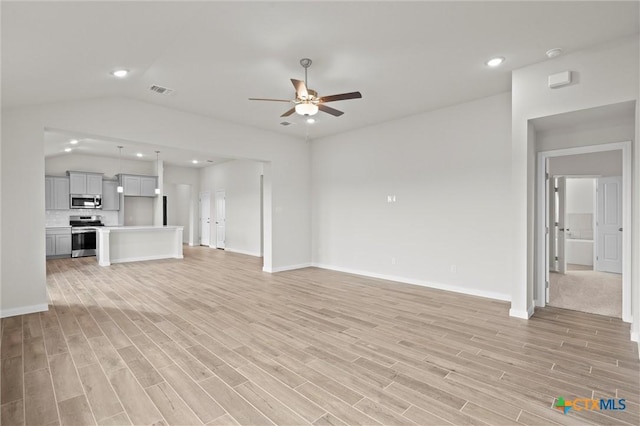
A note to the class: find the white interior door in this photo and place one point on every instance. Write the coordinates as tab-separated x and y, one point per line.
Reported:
561	199
205	219
609	225
220	219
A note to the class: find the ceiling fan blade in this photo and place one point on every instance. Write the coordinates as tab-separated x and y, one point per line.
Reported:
288	113
301	88
341	97
273	100
330	110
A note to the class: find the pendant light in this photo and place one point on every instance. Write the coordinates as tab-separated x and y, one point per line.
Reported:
157	190
120	189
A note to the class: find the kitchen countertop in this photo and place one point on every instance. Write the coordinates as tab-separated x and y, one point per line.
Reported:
57	226
138	228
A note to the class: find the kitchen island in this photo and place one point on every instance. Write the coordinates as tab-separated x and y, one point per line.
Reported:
119	244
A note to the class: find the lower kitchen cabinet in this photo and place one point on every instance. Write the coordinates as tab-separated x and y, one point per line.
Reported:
58	242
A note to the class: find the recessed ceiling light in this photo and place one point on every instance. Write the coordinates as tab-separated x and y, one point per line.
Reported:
139	154
73	141
552	53
494	62
120	73
67	150
194	161
311	120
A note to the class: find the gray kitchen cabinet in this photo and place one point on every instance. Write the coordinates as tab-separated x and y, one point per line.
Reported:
63	244
82	183
110	196
56	192
94	184
48	193
139	186
58	242
131	185
147	186
61	193
51	245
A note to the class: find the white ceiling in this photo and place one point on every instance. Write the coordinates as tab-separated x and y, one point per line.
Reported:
405	57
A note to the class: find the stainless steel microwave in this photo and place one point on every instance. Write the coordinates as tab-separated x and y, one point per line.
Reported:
85	201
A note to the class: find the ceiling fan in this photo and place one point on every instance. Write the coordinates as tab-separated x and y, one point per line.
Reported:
307	101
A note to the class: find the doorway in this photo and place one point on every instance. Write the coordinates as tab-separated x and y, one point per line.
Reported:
552	231
584	254
205	219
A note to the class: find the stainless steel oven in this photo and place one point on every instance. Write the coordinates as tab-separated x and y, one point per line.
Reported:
84	235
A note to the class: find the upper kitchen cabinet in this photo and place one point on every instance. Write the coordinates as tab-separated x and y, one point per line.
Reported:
82	183
56	192
110	196
139	186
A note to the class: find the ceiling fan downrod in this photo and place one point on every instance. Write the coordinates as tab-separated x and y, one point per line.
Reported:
306	63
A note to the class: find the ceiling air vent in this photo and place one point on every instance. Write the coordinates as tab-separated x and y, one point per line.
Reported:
160	90
286	123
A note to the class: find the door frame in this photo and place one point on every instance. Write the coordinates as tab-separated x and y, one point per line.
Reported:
208	194
542	248
216	196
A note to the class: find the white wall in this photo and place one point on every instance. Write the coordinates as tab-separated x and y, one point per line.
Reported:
604	75
60	164
449	170
241	182
287	224
580	196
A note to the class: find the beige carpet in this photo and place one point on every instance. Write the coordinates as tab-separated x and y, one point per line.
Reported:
587	291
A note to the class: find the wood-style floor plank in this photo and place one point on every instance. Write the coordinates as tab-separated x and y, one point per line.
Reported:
100	394
212	339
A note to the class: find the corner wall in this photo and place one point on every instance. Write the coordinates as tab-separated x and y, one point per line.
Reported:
449	171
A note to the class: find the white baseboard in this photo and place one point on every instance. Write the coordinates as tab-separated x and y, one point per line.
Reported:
248	253
23	310
634	337
286	268
439	286
143	258
518	313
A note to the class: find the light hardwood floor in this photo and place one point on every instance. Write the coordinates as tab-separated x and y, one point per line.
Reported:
213	340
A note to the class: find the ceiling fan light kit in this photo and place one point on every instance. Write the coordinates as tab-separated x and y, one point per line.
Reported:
307	102
307	108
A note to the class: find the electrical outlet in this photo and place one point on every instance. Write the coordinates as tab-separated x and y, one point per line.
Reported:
391	198
454	269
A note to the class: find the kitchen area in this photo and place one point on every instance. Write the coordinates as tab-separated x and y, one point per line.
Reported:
91	203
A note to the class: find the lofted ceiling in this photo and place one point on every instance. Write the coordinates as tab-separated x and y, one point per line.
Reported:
405	57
